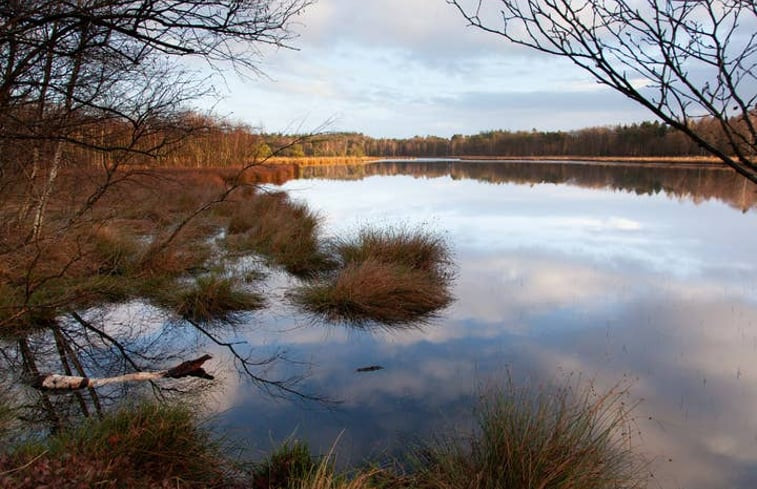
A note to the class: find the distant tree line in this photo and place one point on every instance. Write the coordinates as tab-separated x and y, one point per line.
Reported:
642	139
215	142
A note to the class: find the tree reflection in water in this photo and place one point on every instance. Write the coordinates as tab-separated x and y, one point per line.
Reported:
134	337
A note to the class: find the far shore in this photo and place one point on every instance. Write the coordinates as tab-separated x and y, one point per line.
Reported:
362	160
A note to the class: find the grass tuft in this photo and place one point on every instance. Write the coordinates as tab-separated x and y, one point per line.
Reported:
214	298
562	438
282	231
374	291
414	249
388	276
116	252
289	464
144	446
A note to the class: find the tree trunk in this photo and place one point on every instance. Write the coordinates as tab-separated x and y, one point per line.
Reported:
191	368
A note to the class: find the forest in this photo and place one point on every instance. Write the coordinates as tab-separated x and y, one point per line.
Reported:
218	143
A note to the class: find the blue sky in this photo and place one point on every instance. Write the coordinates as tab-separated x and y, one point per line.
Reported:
399	68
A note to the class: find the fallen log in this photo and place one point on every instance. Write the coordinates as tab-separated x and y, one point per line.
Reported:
190	368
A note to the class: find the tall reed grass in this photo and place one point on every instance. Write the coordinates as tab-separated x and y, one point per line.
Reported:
569	437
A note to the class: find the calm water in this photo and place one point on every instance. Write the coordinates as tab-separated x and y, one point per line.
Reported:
608	273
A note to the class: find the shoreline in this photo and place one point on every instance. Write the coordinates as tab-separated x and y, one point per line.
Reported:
635	160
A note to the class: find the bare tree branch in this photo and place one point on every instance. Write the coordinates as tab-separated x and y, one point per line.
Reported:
693	64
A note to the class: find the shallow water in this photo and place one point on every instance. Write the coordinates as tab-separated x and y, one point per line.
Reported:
637	274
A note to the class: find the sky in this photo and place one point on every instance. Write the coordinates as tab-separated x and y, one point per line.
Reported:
401	68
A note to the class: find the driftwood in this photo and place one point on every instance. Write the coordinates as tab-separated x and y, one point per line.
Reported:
190	368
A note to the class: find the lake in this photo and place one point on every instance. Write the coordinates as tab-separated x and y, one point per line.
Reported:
643	275
566	273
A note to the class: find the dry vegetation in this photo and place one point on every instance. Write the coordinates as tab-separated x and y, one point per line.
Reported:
147	446
558	438
391	276
148	239
142	240
283	231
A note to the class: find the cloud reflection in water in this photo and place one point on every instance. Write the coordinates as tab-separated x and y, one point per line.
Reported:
551	278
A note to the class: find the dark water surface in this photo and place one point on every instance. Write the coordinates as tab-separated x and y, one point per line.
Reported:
608	272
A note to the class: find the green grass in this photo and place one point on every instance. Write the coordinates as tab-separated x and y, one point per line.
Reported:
391	277
289	464
557	438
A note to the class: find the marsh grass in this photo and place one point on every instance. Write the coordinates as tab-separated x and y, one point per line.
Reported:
324	477
289	464
374	291
526	437
282	231
115	251
390	277
147	445
213	298
414	249
558	438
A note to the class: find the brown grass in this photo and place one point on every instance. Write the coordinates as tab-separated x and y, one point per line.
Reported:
282	231
375	291
145	446
213	298
414	249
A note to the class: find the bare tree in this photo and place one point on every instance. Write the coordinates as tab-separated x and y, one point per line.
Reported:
102	75
100	86
684	60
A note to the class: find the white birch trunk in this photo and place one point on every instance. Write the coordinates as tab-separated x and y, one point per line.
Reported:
191	368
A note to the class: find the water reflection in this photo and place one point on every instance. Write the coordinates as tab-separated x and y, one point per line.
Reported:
616	273
697	183
552	279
